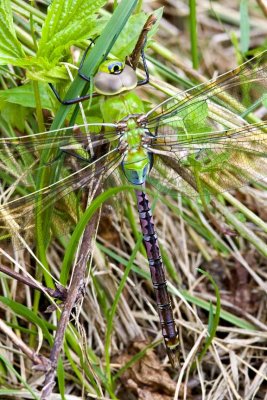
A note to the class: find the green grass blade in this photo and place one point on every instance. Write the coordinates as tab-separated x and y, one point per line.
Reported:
13	370
114	307
61	378
73	243
28	314
244	26
193	33
214	317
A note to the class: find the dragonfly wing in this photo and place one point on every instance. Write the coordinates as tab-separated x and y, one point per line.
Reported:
169	177
75	137
206	132
19	203
20	156
209	104
224	160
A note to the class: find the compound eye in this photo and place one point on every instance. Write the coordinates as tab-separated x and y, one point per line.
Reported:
115	67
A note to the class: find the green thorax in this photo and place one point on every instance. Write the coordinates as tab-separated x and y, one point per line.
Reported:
137	161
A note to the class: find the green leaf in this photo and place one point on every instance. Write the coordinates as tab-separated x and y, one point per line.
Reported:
129	36
264	100
24	96
240	216
67	22
158	14
28	314
61	378
191	118
208	160
40	69
117	107
10	47
195	114
14	114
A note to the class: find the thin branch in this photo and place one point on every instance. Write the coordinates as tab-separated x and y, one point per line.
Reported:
59	293
37	359
135	56
263	5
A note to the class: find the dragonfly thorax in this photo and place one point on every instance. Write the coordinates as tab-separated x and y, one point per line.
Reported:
137	160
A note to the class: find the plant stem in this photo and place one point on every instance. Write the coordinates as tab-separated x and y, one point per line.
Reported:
193	33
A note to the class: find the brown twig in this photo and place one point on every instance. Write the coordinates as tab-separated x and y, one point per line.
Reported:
75	292
59	293
263	5
37	359
135	56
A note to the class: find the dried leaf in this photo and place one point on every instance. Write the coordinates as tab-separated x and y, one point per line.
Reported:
146	378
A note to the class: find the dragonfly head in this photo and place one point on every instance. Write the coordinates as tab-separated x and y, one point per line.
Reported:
136	166
114	77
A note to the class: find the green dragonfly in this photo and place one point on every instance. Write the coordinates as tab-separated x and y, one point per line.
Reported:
197	142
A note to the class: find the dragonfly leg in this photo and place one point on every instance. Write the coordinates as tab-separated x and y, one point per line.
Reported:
56	158
169	330
86	78
70	101
146	80
83	76
78	156
69	153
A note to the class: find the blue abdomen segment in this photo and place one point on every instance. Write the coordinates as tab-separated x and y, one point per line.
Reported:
137	170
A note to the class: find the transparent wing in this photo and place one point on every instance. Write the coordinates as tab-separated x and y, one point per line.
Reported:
225	161
204	135
75	138
20	157
210	104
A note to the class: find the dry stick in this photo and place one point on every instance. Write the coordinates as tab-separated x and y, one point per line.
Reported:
263	5
135	56
37	359
59	293
75	291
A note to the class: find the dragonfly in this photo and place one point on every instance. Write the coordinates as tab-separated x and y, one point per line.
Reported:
195	142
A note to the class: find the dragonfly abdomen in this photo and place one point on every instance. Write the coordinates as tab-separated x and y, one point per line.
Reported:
157	272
